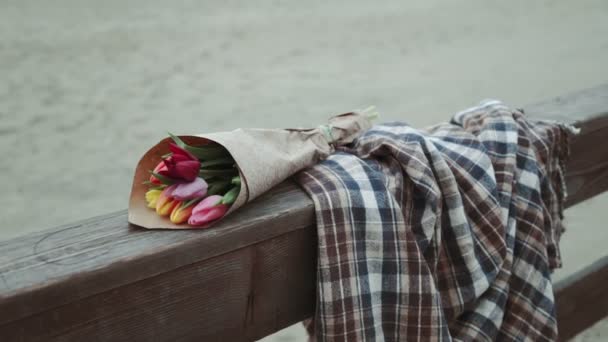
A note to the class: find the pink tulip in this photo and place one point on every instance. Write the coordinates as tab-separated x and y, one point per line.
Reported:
181	165
208	203
195	189
206	216
208	210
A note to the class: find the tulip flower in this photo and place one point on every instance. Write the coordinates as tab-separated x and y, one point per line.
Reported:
208	203
209	209
152	197
160	168
165	202
181	213
186	191
181	165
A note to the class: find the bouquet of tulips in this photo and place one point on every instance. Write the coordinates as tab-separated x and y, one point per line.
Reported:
193	181
193	184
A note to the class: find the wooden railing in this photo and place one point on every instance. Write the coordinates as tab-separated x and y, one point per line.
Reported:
254	274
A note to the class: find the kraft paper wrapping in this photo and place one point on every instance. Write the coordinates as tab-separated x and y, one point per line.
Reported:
264	157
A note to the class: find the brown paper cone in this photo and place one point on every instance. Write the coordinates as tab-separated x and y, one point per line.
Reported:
264	157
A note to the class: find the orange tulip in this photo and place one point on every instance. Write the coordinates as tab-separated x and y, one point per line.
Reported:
181	213
165	203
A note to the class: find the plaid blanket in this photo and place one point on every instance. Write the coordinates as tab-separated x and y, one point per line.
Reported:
447	233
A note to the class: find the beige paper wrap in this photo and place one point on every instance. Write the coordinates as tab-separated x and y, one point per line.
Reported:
264	157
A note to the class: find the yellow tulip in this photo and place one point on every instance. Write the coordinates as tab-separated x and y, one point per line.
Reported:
152	197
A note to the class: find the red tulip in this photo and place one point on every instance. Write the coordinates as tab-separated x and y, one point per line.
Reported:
160	168
181	165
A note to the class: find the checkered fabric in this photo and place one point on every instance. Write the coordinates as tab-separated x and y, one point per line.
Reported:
446	233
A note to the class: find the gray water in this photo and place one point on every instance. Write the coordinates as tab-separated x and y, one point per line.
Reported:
87	86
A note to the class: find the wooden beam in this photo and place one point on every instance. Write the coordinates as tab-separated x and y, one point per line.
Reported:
233	296
588	165
55	273
250	276
582	299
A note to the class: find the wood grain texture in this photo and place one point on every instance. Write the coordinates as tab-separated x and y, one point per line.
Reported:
253	274
53	267
582	299
587	169
234	296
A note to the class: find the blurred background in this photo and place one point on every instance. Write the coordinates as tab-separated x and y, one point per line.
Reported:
87	86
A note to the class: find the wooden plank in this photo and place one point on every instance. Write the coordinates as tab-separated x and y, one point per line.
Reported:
587	169
585	109
284	264
233	296
582	299
57	266
588	164
102	278
192	301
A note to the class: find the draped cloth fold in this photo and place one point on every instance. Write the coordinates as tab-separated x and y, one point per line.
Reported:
446	233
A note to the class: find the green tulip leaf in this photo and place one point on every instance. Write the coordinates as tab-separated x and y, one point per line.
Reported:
217	187
236	180
217	162
231	195
190	202
179	142
217	173
208	152
163	179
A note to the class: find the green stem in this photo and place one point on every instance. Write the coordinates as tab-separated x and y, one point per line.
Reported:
163	179
215	162
216	173
231	195
218	187
207	152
